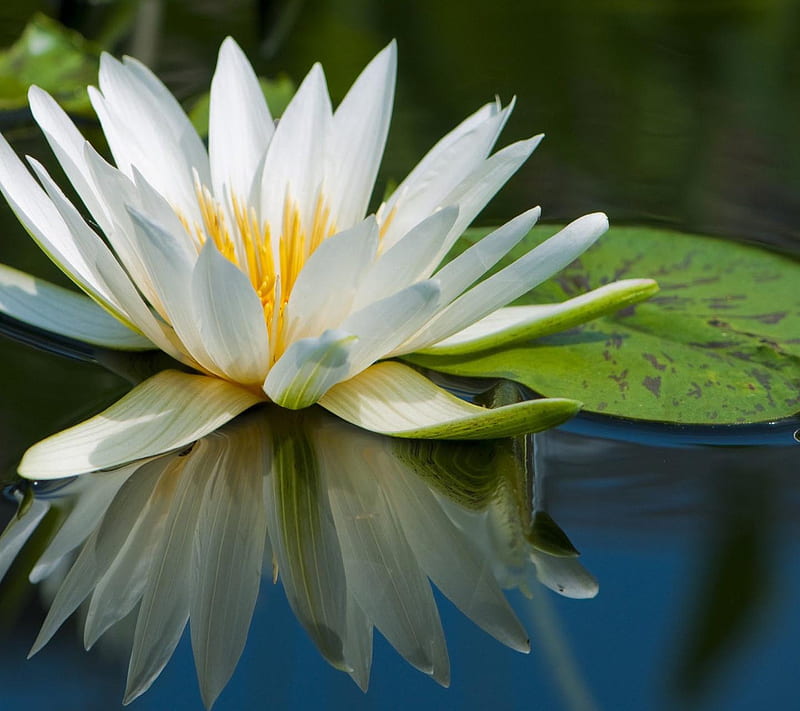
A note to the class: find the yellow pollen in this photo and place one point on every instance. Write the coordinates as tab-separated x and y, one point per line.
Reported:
384	228
272	267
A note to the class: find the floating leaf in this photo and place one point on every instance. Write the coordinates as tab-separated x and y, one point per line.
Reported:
720	343
49	55
277	92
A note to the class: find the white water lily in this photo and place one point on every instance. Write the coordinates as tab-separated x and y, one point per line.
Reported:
186	537
254	263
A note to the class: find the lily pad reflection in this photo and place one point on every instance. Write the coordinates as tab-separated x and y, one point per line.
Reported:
353	524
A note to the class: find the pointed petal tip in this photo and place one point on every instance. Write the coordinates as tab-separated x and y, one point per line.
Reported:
129	697
362	684
524	147
108	61
317	72
442	680
134	691
40	643
390	50
228	44
231	51
209	696
37	94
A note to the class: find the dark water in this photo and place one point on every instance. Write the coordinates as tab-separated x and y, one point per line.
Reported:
673	113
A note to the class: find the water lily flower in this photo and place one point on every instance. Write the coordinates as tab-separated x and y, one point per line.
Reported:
255	264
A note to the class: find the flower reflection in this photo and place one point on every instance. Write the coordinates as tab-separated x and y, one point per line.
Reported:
352	523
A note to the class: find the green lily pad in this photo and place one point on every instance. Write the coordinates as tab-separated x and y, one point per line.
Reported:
720	342
58	60
277	92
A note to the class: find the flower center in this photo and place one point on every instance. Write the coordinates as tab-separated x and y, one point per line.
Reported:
271	263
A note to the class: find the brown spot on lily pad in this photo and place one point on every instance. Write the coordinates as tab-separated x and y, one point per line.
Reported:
650	358
621	380
653	384
775	317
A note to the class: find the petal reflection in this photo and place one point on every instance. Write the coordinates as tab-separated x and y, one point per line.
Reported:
355	525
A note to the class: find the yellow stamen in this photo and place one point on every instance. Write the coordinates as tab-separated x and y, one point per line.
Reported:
384	228
273	268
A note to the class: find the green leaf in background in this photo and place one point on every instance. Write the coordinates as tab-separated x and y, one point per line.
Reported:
720	343
60	61
277	92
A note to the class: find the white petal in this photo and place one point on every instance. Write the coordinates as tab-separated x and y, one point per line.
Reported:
391	398
164	609
522	323
358	136
147	129
413	258
105	191
68	145
451	559
293	169
125	544
90	504
475	124
167	411
230	317
381	326
308	368
18	531
239	126
40	218
474	193
516	279
77	585
226	560
64	312
169	268
119	193
150	202
305	543
323	294
473	263
382	571
169	110
358	644
566	576
95	556
123	299
73	246
448	163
